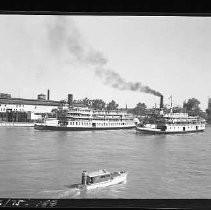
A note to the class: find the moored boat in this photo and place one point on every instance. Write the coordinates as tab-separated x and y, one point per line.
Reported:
83	118
101	178
171	123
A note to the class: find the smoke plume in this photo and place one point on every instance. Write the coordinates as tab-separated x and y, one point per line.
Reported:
116	81
64	35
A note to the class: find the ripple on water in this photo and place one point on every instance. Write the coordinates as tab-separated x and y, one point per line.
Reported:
159	166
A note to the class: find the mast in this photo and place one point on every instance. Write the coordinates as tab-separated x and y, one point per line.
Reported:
171	108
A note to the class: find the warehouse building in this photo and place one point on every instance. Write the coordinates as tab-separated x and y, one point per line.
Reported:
23	110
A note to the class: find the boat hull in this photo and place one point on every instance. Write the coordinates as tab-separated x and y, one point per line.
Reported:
66	128
157	131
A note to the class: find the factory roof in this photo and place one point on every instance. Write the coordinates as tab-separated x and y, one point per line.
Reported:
29	101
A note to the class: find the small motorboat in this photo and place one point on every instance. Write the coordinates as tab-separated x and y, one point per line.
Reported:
101	178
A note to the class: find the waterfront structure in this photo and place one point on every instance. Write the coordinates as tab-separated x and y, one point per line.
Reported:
5	95
20	109
84	118
163	123
41	97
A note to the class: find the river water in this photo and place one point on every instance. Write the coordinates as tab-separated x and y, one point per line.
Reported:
44	164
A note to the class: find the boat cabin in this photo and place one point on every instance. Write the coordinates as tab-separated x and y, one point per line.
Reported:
95	177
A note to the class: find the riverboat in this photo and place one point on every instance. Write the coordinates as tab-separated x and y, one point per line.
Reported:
84	118
171	123
101	178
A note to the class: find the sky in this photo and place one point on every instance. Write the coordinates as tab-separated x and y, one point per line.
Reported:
129	59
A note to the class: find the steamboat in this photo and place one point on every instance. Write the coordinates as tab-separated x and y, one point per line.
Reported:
84	118
170	123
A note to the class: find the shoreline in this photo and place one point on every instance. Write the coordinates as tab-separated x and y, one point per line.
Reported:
16	124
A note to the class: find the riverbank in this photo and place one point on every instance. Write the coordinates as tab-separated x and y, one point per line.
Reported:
16	124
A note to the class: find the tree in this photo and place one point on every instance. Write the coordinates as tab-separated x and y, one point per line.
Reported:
178	109
208	115
192	106
140	109
98	104
87	102
112	105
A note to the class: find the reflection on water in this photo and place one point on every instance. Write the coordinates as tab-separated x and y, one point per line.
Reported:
44	164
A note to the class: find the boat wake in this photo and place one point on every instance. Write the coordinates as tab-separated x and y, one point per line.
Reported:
69	193
113	191
60	194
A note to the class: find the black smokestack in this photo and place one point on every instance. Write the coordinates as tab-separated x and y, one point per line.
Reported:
70	99
48	95
161	101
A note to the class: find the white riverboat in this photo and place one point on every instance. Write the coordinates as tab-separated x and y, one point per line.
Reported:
169	123
173	123
101	178
84	118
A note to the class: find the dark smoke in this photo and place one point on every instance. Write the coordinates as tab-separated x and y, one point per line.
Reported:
64	35
116	81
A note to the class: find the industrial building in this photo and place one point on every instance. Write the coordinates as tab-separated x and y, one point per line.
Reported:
25	110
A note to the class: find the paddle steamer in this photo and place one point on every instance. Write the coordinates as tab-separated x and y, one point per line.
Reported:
84	118
171	123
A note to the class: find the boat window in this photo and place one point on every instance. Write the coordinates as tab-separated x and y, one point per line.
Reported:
91	180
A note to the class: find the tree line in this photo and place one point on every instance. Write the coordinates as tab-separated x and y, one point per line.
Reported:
191	106
98	104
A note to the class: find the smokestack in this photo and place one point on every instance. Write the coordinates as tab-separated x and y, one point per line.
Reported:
70	99
48	95
161	101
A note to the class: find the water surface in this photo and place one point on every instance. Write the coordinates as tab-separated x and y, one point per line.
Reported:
43	164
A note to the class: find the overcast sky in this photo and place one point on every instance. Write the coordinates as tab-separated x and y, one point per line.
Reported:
79	55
